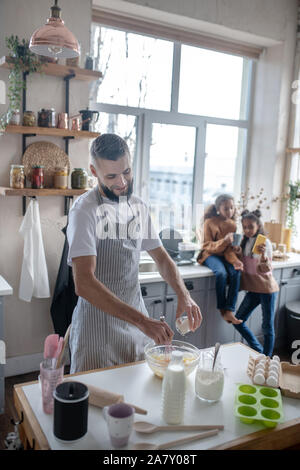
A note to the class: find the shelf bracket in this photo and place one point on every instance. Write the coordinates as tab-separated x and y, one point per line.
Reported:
24	203
67	204
67	79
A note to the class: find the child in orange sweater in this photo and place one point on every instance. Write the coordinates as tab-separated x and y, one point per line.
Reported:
218	254
259	283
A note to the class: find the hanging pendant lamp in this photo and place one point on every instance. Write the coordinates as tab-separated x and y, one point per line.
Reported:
54	39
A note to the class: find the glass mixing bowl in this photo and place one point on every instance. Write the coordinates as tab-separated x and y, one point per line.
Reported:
159	356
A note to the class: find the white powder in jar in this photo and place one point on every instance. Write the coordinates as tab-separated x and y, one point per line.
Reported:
209	384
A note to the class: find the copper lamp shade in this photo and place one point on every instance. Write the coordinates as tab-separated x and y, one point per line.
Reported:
54	39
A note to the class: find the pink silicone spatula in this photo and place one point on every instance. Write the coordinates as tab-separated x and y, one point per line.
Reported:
50	346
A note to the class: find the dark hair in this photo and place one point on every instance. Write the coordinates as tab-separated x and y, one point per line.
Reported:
109	147
212	210
255	216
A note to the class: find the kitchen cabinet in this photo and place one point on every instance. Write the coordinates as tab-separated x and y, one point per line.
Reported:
289	291
217	330
153	296
161	299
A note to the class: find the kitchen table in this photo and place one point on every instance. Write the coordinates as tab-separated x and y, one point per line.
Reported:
141	387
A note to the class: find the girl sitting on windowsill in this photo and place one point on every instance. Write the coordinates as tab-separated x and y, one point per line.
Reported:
217	254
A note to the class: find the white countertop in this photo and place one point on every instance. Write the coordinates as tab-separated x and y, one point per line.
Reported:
5	288
141	387
196	270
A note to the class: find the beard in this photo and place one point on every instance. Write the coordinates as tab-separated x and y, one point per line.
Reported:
112	196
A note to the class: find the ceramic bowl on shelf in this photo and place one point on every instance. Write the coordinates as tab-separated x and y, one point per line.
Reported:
159	356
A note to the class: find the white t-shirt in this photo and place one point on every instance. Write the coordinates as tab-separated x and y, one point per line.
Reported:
89	222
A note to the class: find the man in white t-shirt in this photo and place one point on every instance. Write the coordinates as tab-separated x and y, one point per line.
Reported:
108	228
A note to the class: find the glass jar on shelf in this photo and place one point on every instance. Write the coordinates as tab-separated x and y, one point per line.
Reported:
17	177
61	178
79	178
37	177
29	119
15	118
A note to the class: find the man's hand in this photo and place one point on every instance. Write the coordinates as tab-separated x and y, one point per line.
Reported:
238	265
157	330
187	305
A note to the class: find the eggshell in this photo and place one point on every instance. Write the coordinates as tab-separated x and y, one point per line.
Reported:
259	379
261	356
272	381
276	358
274	366
259	370
273	374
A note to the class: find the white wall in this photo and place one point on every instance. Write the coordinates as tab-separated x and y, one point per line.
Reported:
262	17
27	324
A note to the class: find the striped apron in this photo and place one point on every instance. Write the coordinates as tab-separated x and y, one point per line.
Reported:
98	339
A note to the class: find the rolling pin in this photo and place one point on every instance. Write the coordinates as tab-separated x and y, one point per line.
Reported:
100	398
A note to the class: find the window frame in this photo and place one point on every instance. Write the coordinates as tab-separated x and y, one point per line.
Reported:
145	118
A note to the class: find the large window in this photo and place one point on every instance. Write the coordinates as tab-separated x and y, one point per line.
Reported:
184	112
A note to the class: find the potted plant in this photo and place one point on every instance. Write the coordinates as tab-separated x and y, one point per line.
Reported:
293	204
22	60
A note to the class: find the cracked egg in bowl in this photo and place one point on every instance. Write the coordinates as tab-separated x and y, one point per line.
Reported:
159	356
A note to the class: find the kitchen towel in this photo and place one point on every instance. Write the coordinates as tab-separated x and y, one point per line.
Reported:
34	280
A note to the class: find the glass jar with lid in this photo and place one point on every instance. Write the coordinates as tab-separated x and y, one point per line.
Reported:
15	118
29	119
61	178
17	177
79	178
37	177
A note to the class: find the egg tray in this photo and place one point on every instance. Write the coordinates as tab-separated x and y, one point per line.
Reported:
251	368
255	403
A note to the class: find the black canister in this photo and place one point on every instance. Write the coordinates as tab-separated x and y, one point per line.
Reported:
47	118
70	411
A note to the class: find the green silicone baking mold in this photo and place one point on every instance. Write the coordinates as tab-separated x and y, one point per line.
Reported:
258	403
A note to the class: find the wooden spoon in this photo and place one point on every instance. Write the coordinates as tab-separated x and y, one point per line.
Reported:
167	445
149	428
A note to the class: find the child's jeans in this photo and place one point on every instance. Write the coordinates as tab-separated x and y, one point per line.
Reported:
224	272
250	302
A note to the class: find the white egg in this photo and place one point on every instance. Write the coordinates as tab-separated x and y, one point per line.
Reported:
259	379
276	358
274	366
274	373
260	370
261	356
272	381
262	364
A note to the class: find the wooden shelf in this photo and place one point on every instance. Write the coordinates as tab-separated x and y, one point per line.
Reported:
50	131
28	192
58	70
293	150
